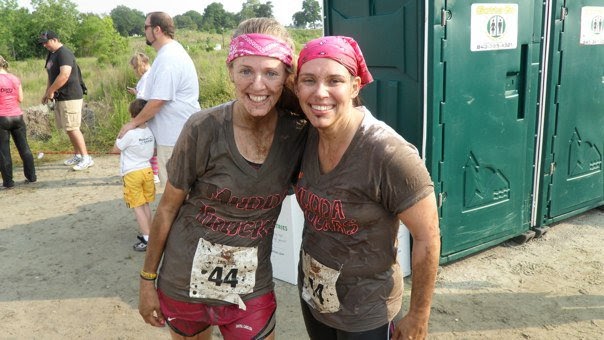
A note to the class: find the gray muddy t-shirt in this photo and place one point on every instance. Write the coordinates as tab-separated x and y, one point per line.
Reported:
219	247
348	272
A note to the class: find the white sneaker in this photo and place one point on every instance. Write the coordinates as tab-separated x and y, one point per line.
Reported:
73	160
84	164
156	179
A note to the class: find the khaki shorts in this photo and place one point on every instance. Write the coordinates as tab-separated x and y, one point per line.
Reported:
68	114
139	188
164	153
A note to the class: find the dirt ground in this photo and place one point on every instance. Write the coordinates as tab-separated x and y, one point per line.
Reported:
68	271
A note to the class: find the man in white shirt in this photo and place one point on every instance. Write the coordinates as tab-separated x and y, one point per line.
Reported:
172	89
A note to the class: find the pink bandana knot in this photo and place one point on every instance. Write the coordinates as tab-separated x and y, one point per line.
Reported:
255	44
344	50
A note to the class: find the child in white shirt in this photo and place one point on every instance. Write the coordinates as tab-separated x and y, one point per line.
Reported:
136	148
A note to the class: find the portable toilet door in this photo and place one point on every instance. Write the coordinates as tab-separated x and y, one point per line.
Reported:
390	34
485	73
571	178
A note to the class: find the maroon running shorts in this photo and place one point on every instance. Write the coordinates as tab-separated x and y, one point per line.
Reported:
189	319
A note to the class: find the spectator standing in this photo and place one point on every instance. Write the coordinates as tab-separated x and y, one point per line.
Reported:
12	124
172	89
136	147
65	89
140	64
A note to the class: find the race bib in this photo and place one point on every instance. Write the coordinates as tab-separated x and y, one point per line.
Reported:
223	272
319	286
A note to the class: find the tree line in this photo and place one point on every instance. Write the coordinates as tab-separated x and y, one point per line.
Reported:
104	36
215	19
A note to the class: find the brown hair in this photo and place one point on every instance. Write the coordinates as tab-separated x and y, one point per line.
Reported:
140	63
270	26
136	106
3	63
164	21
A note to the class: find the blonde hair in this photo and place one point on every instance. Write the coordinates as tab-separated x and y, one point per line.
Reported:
3	63
267	26
270	26
140	63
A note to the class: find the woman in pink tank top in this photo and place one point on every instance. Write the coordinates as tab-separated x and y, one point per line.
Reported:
12	124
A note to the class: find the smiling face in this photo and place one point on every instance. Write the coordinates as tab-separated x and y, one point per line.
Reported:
326	91
258	83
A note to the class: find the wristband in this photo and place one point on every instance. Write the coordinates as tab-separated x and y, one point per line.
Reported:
148	276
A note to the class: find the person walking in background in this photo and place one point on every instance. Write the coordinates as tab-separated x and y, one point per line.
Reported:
141	65
359	179
12	124
65	89
171	90
228	176
136	147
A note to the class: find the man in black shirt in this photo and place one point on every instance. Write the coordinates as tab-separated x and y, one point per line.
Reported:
65	89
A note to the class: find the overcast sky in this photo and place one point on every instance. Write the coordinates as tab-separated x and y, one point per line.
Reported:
282	9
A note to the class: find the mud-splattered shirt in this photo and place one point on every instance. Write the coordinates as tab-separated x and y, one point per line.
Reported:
231	205
351	226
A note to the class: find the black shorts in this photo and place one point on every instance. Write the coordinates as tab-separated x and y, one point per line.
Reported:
319	331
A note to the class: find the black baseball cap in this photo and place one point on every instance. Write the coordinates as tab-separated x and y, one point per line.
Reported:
47	35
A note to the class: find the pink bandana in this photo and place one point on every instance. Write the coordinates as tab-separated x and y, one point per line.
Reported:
342	49
260	45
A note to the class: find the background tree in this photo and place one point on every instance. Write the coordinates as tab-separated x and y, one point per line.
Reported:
61	16
25	40
128	21
107	44
196	17
309	16
254	9
7	17
182	21
217	19
15	25
264	10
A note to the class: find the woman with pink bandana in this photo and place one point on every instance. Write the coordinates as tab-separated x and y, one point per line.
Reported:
359	179
230	170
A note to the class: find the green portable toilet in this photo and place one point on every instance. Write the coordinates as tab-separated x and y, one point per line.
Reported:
570	179
460	81
487	57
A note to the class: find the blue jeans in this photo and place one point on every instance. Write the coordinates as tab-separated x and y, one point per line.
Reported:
15	126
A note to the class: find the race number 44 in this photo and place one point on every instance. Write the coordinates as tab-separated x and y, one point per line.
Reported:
222	272
216	276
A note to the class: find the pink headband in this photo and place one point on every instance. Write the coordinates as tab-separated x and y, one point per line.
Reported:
342	49
256	44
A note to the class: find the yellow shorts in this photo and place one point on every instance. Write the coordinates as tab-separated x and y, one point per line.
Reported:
139	188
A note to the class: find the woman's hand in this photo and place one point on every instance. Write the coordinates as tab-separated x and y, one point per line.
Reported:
148	304
411	327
